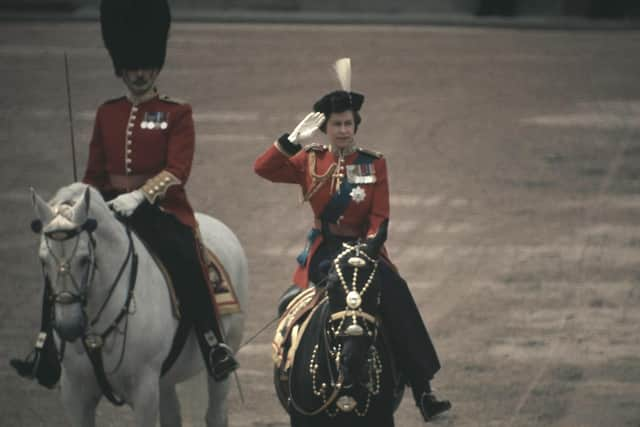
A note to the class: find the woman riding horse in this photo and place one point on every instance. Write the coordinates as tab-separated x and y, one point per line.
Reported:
347	188
140	157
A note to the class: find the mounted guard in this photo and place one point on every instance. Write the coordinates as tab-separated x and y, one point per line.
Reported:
140	158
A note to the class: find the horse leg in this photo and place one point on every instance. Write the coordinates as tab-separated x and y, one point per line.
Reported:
386	421
145	399
298	420
217	411
80	402
169	407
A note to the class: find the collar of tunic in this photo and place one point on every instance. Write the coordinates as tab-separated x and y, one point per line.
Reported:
144	98
344	152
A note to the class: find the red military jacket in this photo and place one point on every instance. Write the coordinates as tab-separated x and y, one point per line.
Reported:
148	145
317	170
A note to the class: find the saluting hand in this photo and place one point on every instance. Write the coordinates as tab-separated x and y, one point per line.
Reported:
306	127
125	204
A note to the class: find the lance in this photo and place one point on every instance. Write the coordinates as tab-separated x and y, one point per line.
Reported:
70	111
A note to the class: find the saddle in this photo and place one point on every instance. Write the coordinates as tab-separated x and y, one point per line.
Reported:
292	326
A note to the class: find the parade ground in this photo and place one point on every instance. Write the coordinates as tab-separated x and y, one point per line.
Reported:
514	162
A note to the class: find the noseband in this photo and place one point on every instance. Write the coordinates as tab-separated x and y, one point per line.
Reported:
63	265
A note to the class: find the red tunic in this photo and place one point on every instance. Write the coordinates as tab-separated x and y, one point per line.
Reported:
367	208
134	142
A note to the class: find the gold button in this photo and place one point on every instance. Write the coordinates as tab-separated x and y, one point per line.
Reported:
128	160
128	170
129	151
156	188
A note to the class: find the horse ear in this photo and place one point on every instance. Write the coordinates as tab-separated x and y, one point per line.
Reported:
81	208
374	244
43	211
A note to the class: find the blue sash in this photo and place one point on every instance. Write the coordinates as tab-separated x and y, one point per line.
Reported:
334	209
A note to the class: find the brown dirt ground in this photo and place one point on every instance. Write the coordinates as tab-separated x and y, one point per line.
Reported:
514	174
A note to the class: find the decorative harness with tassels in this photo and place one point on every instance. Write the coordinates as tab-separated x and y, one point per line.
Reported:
93	342
353	311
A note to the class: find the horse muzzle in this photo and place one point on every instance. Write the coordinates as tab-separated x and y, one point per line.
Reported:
70	320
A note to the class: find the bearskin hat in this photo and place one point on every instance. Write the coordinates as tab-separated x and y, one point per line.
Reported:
135	32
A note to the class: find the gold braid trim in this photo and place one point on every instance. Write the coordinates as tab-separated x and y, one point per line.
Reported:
156	187
317	181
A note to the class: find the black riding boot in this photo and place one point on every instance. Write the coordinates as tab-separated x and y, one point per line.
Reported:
217	354
42	363
428	403
410	341
175	244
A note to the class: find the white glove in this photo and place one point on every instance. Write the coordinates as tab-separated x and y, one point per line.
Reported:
126	203
306	127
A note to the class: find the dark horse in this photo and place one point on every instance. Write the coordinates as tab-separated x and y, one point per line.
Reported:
342	374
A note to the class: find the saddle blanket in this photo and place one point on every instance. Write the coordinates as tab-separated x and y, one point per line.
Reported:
221	286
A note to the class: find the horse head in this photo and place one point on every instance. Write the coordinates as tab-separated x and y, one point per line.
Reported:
67	254
353	291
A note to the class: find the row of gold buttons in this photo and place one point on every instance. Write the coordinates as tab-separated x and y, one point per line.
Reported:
129	143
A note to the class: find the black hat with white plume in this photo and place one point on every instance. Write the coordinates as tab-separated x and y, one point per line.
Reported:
340	100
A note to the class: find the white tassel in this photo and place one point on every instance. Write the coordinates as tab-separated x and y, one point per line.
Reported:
342	67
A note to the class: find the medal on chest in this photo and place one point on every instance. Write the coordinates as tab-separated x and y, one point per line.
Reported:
364	173
358	194
155	120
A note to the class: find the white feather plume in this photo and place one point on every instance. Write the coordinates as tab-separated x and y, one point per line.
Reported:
342	67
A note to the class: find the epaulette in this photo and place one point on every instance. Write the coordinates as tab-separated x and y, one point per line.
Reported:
315	147
167	98
374	154
111	101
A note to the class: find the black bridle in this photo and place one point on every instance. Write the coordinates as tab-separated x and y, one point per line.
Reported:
92	341
344	324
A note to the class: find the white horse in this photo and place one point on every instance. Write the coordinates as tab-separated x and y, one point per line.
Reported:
82	262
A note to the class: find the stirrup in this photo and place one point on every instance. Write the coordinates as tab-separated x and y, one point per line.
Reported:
35	367
221	361
28	366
